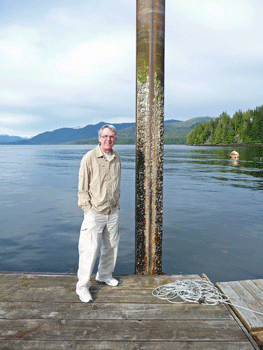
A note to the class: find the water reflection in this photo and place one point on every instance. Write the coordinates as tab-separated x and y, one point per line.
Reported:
234	162
215	160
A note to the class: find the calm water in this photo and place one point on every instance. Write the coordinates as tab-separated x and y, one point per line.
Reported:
212	210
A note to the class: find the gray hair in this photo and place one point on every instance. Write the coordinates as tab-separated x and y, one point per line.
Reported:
108	126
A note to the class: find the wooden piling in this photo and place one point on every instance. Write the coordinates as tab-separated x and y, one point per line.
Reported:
149	136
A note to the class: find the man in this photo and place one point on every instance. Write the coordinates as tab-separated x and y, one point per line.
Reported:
98	196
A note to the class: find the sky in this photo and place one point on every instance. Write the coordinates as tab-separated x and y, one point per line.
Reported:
69	63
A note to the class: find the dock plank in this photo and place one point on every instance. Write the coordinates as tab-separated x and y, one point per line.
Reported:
42	311
254	290
249	319
100	294
115	311
245	294
129	330
251	302
130	281
259	284
121	345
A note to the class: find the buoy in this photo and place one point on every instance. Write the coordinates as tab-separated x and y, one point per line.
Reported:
234	155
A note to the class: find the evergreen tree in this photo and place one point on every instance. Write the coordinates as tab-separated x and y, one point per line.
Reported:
218	133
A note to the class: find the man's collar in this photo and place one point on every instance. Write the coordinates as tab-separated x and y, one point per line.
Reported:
99	152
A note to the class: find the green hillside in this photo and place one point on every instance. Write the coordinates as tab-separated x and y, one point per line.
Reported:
243	127
174	133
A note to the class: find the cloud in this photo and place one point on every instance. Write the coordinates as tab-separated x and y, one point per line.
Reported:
11	97
213	55
9	119
68	64
49	63
12	124
18	48
96	56
218	14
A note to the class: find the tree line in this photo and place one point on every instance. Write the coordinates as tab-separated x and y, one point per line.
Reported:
243	127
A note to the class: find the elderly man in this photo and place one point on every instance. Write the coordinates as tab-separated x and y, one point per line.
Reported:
98	196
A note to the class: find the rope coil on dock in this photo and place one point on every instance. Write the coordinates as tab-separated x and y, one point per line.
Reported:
193	291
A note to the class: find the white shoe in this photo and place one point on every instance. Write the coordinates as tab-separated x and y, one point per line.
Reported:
109	281
84	295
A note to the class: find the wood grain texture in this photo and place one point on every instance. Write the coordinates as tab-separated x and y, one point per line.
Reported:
248	296
41	311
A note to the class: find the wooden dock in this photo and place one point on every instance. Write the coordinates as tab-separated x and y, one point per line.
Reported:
249	295
42	311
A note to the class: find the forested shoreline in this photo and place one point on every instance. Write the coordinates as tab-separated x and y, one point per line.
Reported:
242	129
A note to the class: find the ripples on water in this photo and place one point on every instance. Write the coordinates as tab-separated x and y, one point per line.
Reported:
212	210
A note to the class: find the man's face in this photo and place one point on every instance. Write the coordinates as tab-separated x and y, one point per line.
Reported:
107	140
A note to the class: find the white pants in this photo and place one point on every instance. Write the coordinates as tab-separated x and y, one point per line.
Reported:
94	227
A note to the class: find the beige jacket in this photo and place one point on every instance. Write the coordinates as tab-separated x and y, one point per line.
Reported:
99	182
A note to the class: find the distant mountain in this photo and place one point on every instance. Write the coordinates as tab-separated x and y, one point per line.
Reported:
175	132
64	135
172	121
8	139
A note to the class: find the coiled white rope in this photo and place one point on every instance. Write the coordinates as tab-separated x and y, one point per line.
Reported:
193	291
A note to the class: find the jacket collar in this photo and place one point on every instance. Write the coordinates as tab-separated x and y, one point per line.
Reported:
99	152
